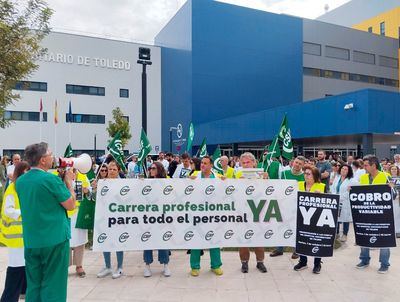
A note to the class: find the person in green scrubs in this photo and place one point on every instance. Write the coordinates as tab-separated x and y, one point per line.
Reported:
44	199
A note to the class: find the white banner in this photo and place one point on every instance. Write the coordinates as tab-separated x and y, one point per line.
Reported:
141	214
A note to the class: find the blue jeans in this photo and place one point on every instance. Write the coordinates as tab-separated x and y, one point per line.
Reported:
346	226
163	256
107	259
384	255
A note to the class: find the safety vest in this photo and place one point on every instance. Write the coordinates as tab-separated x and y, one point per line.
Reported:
230	173
11	229
380	179
315	187
85	184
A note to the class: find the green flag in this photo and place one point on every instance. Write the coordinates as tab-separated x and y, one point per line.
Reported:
203	149
68	152
90	175
217	161
115	149
286	138
145	147
190	138
273	151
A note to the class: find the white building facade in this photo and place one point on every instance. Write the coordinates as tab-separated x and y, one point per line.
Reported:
96	75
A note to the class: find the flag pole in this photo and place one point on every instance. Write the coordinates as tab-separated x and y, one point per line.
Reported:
269	163
102	164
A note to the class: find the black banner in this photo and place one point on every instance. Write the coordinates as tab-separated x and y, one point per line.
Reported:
373	220
317	216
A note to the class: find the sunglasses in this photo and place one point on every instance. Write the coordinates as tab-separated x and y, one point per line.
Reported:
103	170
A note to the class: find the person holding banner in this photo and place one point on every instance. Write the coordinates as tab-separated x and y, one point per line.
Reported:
395	178
374	177
341	185
156	171
183	170
247	160
215	253
113	173
312	183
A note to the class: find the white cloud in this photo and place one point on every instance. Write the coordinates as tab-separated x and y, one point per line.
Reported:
141	20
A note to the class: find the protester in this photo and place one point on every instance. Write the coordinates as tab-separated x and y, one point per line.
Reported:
341	186
16	158
312	183
44	198
3	171
247	160
131	167
161	159
183	170
324	168
156	170
397	160
215	253
195	164
295	173
358	169
11	236
229	172
374	177
335	172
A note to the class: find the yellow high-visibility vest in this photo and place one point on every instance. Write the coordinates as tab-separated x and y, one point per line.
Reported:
315	187
379	179
11	229
85	184
230	173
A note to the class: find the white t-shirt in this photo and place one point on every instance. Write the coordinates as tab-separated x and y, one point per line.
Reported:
181	172
10	170
165	163
131	169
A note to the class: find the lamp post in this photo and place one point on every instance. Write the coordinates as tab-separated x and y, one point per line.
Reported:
144	60
95	146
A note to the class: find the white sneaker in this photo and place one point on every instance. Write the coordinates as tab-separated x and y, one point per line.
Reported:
104	272
147	271
343	238
117	274
166	271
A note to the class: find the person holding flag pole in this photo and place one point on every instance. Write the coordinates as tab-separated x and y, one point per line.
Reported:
145	149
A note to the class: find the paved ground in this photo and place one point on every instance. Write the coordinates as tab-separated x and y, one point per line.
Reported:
339	280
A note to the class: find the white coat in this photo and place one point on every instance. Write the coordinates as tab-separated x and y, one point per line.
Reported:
344	202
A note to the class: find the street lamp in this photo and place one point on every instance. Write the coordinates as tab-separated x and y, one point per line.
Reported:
144	59
170	137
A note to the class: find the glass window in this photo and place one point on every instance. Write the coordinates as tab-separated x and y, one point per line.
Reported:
24	116
363	57
337	53
315	72
382	28
370	29
126	118
388	62
33	86
312	48
87	90
86	118
124	93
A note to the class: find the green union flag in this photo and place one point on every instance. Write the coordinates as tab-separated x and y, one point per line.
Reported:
145	147
203	149
115	149
190	138
68	152
273	151
217	161
286	138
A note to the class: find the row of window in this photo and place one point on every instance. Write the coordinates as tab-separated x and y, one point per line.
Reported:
347	76
344	54
76	118
69	88
382	30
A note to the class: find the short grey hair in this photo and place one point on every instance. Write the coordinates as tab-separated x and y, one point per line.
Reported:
302	158
33	153
248	155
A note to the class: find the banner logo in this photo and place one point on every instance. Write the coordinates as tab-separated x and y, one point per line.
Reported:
188	236
229	190
104	190
168	189
189	190
289	190
102	237
209	235
167	235
250	190
268	234
287	234
315	249
228	234
124	190
373	239
146	190
269	190
145	236
123	237
249	234
209	190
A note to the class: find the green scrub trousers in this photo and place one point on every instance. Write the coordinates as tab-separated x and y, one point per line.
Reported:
215	255
47	273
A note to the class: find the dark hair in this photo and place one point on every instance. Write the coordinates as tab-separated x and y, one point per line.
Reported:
372	160
209	157
33	153
104	165
350	173
160	170
20	169
185	156
197	162
169	154
314	171
172	167
356	164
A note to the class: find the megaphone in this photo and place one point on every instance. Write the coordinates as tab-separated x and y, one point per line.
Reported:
83	163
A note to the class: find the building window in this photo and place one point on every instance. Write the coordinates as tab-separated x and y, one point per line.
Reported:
363	57
87	90
24	116
32	86
124	93
312	48
87	118
382	28
388	62
126	118
370	29
315	72
337	53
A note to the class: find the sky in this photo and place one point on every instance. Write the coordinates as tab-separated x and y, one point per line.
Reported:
141	20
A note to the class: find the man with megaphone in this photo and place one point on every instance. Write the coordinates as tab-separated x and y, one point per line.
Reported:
44	199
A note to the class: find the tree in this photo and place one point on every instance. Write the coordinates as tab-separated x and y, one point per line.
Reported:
22	28
120	124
